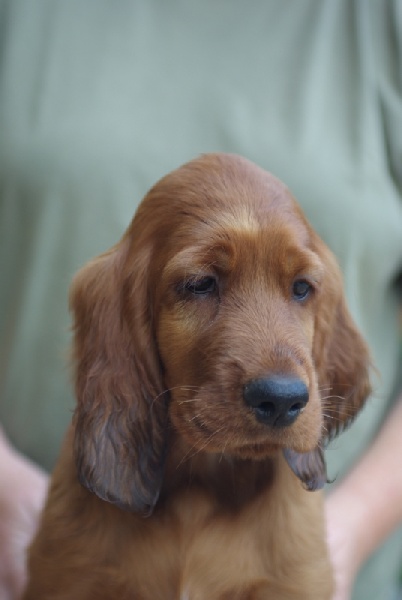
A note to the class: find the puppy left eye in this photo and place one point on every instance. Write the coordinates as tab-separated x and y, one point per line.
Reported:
301	289
204	285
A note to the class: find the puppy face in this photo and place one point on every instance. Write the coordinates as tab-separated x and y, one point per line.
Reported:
237	306
220	314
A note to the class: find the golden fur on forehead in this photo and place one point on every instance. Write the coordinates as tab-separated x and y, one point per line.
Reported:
213	177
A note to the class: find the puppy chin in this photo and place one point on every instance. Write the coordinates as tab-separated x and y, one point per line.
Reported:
256	451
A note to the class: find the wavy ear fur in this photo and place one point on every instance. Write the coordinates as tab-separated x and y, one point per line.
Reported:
120	418
341	356
342	365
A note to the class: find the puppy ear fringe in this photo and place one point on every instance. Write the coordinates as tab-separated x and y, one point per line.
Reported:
309	467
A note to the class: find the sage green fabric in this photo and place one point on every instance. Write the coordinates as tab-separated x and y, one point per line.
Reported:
98	99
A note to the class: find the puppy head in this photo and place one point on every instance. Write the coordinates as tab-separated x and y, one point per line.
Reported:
219	314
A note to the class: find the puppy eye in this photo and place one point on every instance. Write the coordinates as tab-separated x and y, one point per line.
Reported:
204	285
301	289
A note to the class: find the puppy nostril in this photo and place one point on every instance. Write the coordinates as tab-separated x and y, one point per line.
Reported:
296	408
266	408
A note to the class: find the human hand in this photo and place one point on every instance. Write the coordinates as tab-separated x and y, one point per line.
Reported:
340	552
360	513
23	488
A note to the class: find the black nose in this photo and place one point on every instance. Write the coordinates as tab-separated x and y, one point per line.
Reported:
276	400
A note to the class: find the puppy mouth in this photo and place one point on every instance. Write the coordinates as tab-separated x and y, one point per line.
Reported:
257	442
217	422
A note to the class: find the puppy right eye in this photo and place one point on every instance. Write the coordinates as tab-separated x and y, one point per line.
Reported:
201	286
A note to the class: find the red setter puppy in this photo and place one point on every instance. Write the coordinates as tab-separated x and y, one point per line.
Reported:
214	358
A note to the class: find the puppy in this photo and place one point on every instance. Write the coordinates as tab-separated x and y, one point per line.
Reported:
214	358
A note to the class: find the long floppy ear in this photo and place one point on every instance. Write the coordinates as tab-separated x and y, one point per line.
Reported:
120	418
341	357
342	364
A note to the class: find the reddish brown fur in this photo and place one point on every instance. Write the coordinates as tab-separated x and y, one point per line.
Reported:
161	427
